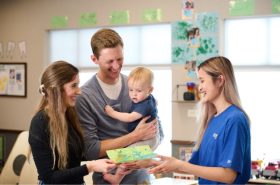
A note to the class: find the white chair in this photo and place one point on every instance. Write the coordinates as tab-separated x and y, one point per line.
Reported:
11	171
87	178
29	174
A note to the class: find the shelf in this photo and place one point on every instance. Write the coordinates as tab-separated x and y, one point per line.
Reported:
181	142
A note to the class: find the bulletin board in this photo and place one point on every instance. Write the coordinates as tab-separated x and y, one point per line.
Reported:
13	79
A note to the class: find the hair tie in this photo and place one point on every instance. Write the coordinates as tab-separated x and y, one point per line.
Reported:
42	90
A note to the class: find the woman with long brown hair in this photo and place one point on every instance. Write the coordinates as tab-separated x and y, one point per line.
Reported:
55	135
223	150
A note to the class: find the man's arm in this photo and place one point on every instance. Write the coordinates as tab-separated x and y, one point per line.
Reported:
91	114
142	132
122	116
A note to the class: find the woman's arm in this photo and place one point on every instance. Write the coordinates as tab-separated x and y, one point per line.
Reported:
100	165
218	174
43	157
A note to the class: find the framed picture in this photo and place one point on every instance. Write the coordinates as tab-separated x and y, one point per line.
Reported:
13	79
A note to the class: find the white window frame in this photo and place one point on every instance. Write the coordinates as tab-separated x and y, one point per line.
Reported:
255	83
252	41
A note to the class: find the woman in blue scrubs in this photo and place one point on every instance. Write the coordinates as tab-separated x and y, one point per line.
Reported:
223	150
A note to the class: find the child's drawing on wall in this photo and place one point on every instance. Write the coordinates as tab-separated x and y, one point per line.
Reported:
195	40
12	74
193	37
187	11
190	67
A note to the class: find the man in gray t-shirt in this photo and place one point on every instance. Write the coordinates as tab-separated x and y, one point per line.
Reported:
109	87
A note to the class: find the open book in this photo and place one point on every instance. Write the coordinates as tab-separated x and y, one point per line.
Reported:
129	154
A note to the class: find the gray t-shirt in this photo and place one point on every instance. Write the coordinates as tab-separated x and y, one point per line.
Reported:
97	125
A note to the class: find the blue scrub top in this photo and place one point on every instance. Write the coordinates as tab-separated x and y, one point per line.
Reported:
226	143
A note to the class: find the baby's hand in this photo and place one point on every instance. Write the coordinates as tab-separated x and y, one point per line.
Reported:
109	110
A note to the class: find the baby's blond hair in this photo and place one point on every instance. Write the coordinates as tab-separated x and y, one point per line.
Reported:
141	75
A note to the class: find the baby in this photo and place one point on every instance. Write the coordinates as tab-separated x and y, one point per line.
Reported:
140	86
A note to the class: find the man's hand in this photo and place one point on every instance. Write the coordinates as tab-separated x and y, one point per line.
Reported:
145	130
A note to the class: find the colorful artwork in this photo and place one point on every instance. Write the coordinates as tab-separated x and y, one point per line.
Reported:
88	19
207	22
190	67
4	79
13	79
195	41
180	52
152	15
129	154
119	17
179	30
59	21
188	9
275	6
241	7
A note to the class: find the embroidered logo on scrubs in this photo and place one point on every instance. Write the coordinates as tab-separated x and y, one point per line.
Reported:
215	135
229	161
